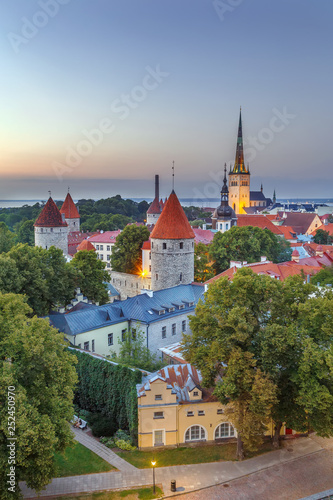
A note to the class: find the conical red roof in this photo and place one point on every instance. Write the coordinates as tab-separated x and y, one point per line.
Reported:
172	223
69	209
154	207
50	216
85	245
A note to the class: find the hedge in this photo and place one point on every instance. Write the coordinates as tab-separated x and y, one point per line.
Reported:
108	389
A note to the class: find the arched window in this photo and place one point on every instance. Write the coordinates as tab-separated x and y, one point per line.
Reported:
224	430
195	433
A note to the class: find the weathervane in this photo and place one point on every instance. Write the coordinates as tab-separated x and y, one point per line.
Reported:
49	193
173	175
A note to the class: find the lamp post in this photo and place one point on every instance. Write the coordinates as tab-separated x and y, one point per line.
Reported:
153	464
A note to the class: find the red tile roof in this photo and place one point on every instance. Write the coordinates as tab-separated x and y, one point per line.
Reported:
85	245
288	232
155	207
172	223
50	216
203	235
299	221
69	209
146	245
327	227
257	221
105	237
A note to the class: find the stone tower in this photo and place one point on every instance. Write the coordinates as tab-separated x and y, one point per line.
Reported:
72	216
224	216
172	247
51	229
239	177
155	209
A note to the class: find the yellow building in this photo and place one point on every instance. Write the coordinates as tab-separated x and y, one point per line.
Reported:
173	409
239	177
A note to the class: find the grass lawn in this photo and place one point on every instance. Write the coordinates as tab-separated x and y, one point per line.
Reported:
79	460
134	494
182	456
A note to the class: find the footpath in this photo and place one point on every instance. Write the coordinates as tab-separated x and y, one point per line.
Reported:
188	477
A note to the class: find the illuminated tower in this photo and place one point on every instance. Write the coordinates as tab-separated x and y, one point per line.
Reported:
239	177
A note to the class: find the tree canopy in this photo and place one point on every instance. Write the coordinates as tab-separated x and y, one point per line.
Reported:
322	237
256	336
91	275
247	244
203	268
38	370
126	254
324	276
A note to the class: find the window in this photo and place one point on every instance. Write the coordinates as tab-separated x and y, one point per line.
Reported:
86	346
51	229
41	229
158	397
181	277
181	245
227	226
108	257
190	414
108	264
164	246
110	339
184	325
224	430
195	433
201	413
156	277
174	329
150	269
158	414
123	335
149	255
101	256
163	332
219	411
101	247
158	438
93	345
108	248
97	247
195	393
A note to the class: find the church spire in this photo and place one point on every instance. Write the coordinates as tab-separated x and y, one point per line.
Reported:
239	166
225	190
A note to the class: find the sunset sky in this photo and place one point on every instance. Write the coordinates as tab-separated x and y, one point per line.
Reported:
100	95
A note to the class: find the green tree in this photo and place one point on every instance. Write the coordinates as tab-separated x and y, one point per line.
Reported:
324	276
322	237
287	330
247	244
7	238
126	255
203	269
25	232
134	352
91	276
10	279
38	370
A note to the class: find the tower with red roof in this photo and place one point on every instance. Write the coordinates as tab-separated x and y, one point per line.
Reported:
239	177
172	247
156	207
71	213
51	229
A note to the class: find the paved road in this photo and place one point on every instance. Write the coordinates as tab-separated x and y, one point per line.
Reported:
188	477
297	479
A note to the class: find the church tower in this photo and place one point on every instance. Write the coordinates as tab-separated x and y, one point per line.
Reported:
224	216
72	216
51	229
239	177
172	247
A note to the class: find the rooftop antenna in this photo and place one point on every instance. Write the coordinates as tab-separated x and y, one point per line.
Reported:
173	175
49	194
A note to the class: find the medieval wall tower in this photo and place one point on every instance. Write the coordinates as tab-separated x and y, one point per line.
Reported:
51	229
172	247
239	177
71	213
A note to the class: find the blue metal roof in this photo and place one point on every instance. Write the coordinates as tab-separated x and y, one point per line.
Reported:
142	308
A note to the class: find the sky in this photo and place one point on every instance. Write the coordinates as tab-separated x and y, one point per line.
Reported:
101	95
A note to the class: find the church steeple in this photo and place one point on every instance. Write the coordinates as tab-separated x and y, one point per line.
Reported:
239	166
274	197
225	190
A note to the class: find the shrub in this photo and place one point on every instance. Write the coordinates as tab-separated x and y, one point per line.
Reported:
101	425
122	435
109	442
124	445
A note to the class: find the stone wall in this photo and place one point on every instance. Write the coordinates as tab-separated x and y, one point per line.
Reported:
129	285
46	237
73	225
171	265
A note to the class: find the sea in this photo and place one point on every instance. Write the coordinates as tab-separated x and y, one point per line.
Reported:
208	202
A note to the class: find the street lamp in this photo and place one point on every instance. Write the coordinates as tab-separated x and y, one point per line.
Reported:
153	464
